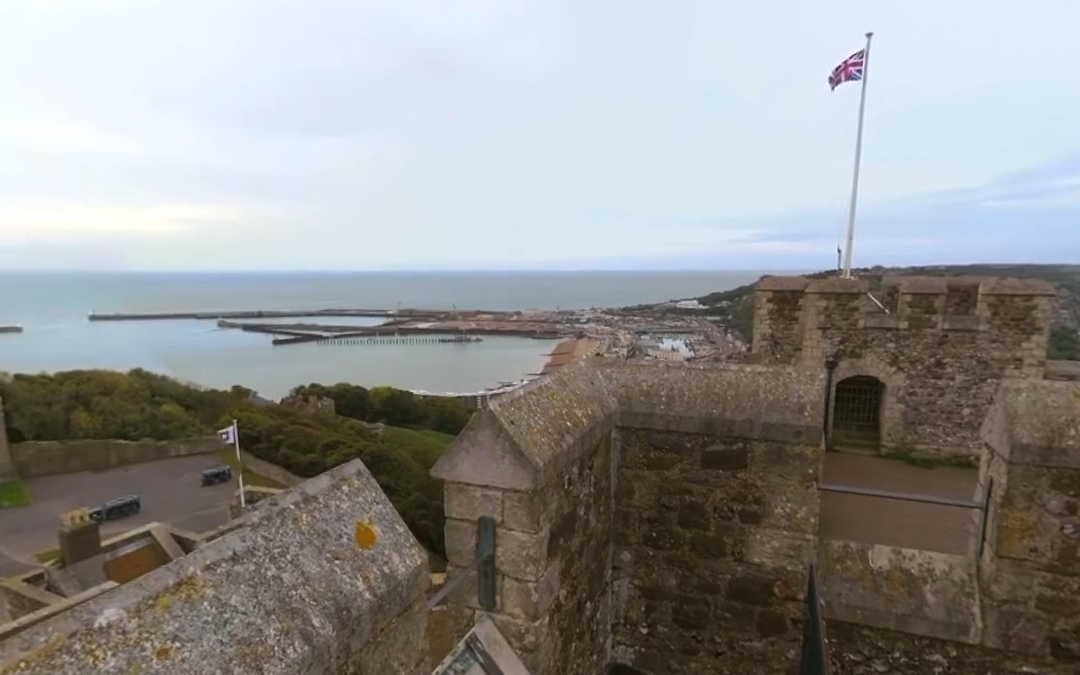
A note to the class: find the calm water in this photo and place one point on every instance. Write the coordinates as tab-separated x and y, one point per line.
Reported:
52	308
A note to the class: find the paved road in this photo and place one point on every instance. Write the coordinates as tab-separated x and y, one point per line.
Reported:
890	522
170	492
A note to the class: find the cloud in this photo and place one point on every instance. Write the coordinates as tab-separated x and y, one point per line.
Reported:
431	134
67	223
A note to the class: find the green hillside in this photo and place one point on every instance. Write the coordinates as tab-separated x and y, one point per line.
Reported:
398	436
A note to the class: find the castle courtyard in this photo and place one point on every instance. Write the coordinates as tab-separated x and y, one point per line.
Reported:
170	490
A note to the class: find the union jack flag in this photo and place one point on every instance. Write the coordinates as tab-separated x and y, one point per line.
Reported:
849	70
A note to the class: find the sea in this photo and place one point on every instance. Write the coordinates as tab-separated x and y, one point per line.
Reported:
52	308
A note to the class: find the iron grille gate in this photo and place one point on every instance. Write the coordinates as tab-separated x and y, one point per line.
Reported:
858	403
815	646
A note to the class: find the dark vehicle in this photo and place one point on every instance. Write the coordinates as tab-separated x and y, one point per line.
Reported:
118	508
216	475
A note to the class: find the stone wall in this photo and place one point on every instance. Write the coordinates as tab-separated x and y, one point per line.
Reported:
46	458
707	529
552	499
917	592
712	490
712	518
20	599
940	345
861	650
323	579
1031	563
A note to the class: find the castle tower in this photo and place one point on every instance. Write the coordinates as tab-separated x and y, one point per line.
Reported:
913	361
7	465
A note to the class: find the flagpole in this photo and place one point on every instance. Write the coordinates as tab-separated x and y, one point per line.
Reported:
239	462
858	161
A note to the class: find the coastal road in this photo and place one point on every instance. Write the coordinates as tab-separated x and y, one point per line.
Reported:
170	490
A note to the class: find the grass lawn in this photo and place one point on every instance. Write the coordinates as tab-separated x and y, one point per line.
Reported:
251	478
47	555
424	447
13	494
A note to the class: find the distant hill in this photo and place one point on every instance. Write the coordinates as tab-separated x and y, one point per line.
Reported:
736	306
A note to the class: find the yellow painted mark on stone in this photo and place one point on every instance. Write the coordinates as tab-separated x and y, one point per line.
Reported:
365	535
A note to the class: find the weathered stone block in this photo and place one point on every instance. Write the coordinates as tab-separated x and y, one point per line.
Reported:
460	537
709	546
530	600
780	550
523	511
721	458
751	589
468	502
694	516
520	555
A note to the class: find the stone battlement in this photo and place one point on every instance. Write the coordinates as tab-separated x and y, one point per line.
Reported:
794	314
937	346
643	509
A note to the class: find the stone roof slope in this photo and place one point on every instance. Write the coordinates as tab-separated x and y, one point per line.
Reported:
307	580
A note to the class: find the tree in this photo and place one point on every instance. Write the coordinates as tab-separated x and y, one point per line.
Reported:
1064	344
142	405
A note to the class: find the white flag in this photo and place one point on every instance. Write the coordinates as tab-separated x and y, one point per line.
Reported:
227	435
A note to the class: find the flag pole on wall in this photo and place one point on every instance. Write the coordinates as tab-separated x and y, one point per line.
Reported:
231	435
854	68
239	463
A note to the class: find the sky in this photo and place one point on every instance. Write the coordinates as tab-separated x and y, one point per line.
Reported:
533	134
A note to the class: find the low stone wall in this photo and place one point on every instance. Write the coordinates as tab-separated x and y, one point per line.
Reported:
919	592
29	620
323	579
20	598
46	458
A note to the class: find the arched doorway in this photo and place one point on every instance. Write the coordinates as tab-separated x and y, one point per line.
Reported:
857	414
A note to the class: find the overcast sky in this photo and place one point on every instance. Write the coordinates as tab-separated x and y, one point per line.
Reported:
498	134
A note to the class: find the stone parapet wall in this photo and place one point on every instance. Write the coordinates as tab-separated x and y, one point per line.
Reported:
46	458
916	592
322	579
710	531
1031	563
862	650
570	467
709	477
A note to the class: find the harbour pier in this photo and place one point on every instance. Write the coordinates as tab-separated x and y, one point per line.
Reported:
395	315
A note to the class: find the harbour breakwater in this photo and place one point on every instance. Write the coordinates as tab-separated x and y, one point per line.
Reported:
399	314
387	340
